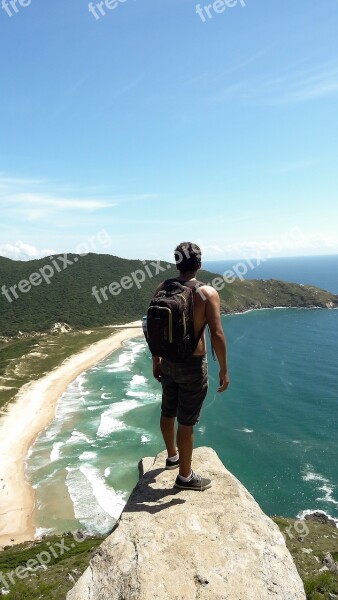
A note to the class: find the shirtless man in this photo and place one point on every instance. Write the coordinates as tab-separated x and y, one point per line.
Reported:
185	384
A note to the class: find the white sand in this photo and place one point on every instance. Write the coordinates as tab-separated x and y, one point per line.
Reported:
33	411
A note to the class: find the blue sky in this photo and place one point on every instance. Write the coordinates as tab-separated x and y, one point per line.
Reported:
154	127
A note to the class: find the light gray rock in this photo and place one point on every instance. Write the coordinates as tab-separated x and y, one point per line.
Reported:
185	545
330	563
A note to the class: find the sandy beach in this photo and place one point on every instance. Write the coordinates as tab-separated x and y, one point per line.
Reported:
34	410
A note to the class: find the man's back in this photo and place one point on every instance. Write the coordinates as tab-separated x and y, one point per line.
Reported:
205	300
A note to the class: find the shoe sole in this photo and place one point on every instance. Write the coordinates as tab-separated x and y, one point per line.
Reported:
181	486
169	468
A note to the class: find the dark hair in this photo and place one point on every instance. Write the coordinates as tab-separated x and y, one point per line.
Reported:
188	257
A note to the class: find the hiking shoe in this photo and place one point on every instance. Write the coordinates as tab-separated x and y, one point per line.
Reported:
196	483
172	464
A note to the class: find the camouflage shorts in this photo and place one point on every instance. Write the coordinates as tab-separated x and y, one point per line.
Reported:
185	386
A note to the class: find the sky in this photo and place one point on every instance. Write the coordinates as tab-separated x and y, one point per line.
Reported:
162	121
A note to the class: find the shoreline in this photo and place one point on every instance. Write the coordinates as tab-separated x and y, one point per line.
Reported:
33	410
247	310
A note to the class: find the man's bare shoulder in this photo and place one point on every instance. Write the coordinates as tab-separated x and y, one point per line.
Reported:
207	292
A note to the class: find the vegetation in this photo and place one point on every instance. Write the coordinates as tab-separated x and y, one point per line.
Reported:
308	543
27	359
57	578
68	297
269	294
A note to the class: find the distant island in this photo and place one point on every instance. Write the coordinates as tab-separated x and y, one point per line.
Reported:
99	289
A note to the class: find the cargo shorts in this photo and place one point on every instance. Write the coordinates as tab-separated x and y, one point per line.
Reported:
184	388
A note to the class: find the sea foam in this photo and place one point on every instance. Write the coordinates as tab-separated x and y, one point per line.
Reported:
326	485
88	455
40	531
77	436
245	430
138	380
68	406
310	475
55	453
109	418
96	505
126	358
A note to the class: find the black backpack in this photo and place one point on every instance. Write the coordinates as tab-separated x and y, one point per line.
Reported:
170	322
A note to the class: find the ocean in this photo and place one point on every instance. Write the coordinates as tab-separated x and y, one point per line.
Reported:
275	428
321	271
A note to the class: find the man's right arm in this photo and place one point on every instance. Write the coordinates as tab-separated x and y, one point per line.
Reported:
213	318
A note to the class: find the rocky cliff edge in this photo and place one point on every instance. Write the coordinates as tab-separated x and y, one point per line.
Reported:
186	545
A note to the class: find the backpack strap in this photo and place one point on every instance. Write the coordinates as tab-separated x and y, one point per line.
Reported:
197	284
171	287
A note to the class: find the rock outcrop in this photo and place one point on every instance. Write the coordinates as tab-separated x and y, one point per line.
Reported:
60	328
184	545
320	517
330	563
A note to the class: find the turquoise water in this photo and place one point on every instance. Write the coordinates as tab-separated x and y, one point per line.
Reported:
275	428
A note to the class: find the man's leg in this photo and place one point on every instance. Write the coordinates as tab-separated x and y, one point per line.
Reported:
193	387
168	432
185	443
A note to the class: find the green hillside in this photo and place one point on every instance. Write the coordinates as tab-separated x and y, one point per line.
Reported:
68	295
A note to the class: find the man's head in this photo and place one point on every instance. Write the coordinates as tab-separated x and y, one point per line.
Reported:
188	257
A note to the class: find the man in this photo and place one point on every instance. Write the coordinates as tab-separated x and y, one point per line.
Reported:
185	384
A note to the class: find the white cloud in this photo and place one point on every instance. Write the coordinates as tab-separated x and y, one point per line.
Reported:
17	182
291	243
293	86
22	251
32	199
46	200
